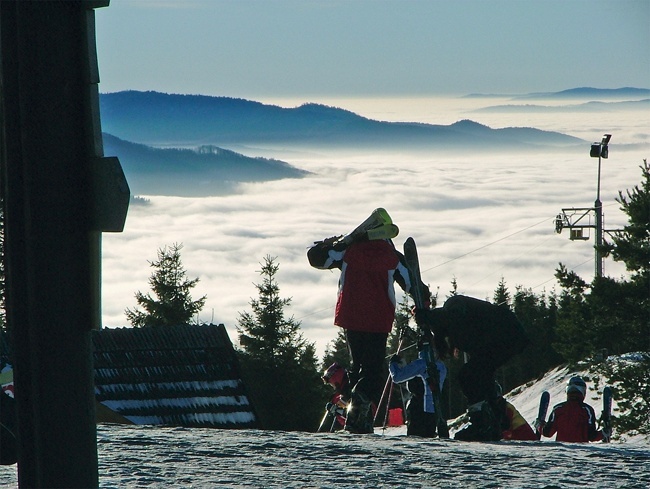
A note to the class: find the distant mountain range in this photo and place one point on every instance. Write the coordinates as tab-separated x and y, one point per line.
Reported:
204	171
576	93
640	105
141	127
592	93
159	119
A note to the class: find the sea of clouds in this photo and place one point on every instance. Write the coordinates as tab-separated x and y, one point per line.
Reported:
476	217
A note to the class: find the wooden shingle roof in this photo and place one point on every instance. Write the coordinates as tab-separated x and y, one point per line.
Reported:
180	375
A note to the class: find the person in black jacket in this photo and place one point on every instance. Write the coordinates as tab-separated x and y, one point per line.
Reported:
491	335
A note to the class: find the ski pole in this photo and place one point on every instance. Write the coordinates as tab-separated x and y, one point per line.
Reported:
389	382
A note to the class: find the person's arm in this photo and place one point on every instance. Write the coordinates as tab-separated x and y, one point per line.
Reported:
403	279
326	254
402	373
549	428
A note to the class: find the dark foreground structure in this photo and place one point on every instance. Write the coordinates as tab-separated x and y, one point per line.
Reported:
59	195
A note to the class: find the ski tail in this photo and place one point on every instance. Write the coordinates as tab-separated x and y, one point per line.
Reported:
419	293
379	217
541	413
606	416
385	231
413	264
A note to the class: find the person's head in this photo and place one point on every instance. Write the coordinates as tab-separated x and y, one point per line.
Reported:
576	389
336	376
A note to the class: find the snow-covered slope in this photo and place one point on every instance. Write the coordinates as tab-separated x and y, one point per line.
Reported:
526	399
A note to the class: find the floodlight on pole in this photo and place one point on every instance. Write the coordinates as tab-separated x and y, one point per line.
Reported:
573	218
603	152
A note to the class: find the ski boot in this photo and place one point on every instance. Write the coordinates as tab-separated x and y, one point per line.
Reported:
359	417
484	425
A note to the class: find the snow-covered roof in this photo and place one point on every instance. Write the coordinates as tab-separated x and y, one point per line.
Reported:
180	376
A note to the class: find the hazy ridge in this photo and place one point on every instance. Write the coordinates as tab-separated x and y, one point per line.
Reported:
174	144
155	118
206	170
640	105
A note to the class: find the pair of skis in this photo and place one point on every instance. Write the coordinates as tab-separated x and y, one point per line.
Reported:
378	225
418	293
605	417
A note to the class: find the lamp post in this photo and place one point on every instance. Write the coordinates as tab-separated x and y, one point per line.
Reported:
599	150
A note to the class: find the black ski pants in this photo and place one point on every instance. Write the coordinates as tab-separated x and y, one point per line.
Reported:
368	372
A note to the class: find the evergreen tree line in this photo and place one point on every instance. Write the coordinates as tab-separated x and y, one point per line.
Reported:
584	321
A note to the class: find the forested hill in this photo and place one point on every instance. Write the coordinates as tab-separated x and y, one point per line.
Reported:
206	170
167	119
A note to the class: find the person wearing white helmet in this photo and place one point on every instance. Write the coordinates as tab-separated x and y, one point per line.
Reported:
573	420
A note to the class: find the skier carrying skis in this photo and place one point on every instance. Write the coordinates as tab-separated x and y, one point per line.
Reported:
365	308
574	420
421	417
491	335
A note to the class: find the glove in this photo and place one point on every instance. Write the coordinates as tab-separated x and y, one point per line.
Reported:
395	358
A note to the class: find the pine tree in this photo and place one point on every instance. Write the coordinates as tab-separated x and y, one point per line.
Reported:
608	313
337	351
173	304
278	364
501	294
454	288
402	331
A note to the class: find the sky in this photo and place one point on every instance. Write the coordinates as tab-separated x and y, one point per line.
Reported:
476	218
292	48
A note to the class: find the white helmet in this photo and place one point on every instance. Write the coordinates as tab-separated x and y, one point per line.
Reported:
577	384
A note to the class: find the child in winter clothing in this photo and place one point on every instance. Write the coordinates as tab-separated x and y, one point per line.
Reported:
335	410
573	420
421	416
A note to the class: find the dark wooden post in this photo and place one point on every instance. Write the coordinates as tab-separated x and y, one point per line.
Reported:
54	182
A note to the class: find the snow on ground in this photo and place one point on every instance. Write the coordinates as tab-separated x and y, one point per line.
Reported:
157	457
171	458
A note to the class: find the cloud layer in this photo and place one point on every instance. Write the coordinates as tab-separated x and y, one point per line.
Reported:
476	218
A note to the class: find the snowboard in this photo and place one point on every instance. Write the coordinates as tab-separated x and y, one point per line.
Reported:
606	416
541	413
379	224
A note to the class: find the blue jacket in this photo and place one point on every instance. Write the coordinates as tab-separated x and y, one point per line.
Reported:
418	368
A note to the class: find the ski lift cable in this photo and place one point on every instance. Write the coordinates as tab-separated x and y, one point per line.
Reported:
486	245
512	261
572	269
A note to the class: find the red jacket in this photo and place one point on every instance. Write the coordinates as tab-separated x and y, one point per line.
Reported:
573	421
366	297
